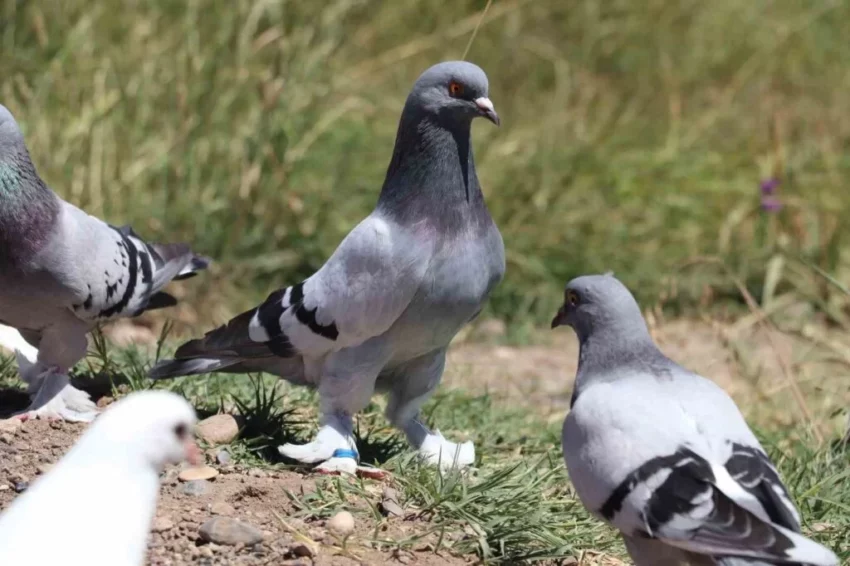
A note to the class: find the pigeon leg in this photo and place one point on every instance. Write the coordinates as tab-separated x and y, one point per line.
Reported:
342	395
55	399
52	395
334	446
418	381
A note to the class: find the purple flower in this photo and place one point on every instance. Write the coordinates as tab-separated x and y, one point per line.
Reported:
771	204
769	186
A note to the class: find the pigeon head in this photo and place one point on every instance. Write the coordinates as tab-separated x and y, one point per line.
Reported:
455	92
594	303
147	429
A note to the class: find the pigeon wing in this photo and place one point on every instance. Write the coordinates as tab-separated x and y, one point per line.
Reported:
359	293
110	272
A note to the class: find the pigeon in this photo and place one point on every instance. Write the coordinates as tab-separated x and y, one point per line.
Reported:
663	454
382	311
120	458
62	272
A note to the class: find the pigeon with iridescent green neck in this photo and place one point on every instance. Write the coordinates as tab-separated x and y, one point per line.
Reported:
62	272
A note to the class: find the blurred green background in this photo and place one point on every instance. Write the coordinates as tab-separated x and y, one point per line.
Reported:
635	135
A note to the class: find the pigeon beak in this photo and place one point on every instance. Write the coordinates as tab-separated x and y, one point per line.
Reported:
559	318
193	453
485	107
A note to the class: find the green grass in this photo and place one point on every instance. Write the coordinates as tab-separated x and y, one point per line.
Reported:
635	134
516	506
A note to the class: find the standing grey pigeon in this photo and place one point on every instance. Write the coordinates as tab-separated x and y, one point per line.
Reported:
382	311
663	454
108	482
63	271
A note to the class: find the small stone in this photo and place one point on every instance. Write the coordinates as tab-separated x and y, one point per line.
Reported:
43	468
223	457
389	503
5	438
302	550
257	473
57	425
194	474
4	487
20	486
195	488
218	429
162	524
341	524
222	508
224	530
104	401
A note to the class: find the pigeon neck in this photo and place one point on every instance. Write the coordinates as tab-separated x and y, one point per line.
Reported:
607	354
28	208
432	173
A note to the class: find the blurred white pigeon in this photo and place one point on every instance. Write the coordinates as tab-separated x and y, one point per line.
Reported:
382	311
62	272
95	507
663	454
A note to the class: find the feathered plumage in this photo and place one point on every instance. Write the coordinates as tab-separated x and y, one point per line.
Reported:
663	454
383	309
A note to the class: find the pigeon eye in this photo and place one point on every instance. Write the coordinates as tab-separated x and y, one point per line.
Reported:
455	89
572	298
181	431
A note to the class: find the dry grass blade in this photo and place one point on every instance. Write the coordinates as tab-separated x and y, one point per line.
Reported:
764	321
475	31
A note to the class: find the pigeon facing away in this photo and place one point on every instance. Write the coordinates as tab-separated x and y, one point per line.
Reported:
63	271
382	311
120	458
663	454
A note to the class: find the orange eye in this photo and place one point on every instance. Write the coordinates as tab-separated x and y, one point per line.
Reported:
455	89
572	298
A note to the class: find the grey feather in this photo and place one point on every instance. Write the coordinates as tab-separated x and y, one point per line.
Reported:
399	286
664	454
63	271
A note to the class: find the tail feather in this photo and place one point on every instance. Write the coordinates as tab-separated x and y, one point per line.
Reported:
228	347
197	263
167	369
229	340
160	300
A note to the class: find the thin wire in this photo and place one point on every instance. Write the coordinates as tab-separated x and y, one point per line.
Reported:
475	31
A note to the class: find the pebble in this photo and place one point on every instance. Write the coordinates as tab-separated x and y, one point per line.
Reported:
389	503
4	487
5	438
43	468
341	524
303	550
222	508
223	457
194	474
224	530
218	429
195	488
257	473
20	486
162	524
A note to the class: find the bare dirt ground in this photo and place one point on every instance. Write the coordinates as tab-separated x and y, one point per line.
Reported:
740	358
